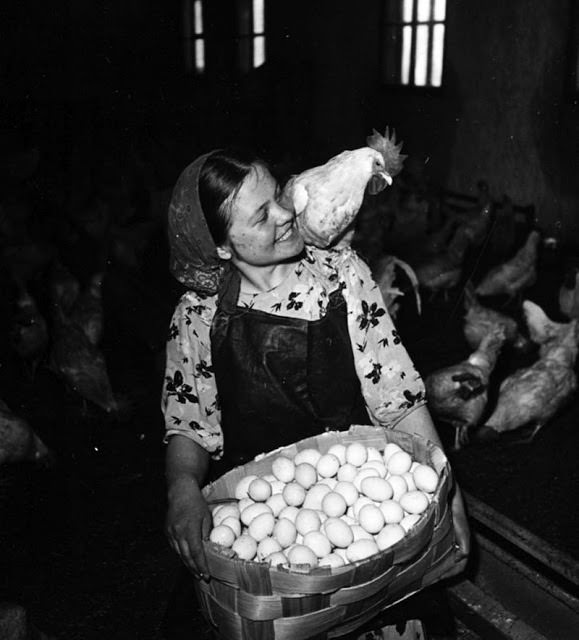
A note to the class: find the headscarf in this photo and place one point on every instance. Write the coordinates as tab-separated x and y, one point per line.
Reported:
193	254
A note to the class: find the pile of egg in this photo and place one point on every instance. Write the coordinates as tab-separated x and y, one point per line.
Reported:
326	509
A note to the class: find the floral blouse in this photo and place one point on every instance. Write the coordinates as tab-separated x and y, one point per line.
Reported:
390	384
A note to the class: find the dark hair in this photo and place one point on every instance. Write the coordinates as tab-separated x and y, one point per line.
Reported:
220	179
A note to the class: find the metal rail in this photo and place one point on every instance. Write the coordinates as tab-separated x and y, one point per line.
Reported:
519	587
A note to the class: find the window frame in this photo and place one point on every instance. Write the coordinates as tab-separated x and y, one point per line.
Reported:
387	25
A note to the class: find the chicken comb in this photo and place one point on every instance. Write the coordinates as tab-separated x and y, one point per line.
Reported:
387	146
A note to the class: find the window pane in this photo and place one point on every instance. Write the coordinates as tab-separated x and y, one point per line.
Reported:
423	12
421	61
258	51
407	10
437	54
406	49
199	56
258	21
198	13
440	10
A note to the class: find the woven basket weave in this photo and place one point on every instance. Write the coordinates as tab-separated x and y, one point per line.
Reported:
253	601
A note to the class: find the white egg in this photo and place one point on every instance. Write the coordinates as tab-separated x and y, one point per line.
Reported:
244	503
226	511
294	494
285	532
245	547
289	513
223	535
399	463
315	495
306	475
389	536
375	464
307	520
276	503
310	455
374	454
409	478
347	472
362	501
390	449
266	547
414	502
332	560
233	523
399	486
261	526
360	533
392	511
334	504
283	469
361	549
342	554
338	450
318	543
259	490
364	473
277	486
349	519
356	454
300	554
276	559
269	477
328	465
376	488
348	491
243	485
338	532
409	521
371	518
329	482
254	510
425	477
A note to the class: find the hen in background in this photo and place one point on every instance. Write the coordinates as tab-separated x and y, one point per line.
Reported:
569	294
87	312
384	273
533	395
514	276
64	287
458	394
479	320
29	333
327	198
18	442
473	224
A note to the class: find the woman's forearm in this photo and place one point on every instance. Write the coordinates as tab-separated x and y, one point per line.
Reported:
420	423
185	461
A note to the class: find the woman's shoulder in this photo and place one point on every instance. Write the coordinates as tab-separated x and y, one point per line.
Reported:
193	307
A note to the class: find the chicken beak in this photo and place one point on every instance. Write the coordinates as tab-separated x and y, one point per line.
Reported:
378	182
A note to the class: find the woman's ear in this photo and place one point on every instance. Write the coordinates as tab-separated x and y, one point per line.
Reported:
224	253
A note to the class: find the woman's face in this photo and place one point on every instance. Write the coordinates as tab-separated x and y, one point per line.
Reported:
261	232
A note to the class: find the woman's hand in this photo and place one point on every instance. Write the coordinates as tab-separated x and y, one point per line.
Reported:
188	517
461	535
188	521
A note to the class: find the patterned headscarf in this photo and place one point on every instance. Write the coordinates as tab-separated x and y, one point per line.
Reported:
194	260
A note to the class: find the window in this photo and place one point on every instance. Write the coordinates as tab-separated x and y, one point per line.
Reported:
251	34
193	36
413	45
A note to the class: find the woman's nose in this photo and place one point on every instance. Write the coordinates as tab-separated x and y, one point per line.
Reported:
283	214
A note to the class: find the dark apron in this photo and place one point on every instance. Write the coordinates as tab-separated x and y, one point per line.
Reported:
282	379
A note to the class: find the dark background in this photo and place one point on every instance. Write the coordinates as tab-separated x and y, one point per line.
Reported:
94	96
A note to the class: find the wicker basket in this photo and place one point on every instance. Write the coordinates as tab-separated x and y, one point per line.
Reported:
251	600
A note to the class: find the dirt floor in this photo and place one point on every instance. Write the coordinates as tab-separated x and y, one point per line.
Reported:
81	543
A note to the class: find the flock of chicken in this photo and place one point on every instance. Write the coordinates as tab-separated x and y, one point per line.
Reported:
459	394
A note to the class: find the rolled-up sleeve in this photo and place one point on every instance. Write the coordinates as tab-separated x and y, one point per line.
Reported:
189	399
391	385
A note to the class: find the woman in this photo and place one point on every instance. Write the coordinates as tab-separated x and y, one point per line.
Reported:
294	340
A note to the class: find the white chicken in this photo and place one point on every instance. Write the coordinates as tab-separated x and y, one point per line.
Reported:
533	395
514	276
327	198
